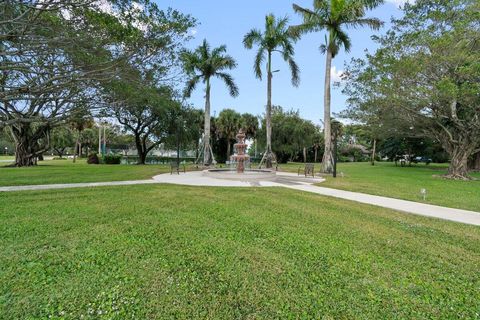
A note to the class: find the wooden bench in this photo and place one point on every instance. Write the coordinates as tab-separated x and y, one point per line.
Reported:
174	166
308	170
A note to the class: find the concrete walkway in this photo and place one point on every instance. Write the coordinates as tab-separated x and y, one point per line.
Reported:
197	178
286	180
457	215
292	181
75	185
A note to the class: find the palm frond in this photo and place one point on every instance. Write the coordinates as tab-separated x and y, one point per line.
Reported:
313	21
295	71
190	61
298	30
218	51
204	50
372	23
320	4
259	59
223	62
191	84
281	23
229	82
323	48
253	36
342	40
303	11
287	49
371	4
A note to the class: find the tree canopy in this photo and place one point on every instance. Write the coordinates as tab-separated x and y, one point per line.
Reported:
57	55
425	77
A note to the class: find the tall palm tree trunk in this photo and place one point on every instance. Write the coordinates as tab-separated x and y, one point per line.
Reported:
374	149
75	150
327	164
268	117
207	159
228	149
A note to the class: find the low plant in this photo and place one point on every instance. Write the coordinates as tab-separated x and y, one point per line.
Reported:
112	159
93	159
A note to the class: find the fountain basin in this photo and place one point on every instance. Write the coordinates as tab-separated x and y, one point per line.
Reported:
247	175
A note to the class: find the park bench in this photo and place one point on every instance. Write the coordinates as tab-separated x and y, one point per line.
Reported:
175	167
308	170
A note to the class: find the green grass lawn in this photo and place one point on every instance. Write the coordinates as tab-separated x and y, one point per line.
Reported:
172	252
385	179
65	171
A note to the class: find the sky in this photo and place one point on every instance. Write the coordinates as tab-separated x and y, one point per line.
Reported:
227	22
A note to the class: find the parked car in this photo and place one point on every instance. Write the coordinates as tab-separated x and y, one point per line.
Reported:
427	160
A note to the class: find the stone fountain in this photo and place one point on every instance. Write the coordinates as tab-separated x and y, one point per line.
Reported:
240	158
241	170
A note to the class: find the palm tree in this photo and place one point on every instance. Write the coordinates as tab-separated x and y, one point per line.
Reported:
228	123
201	65
275	38
334	16
250	125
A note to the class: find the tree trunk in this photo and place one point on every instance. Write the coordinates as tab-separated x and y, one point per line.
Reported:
75	150
59	152
207	159
24	157
373	151
27	143
316	152
99	140
458	168
142	155
474	163
142	158
178	148
304	155
327	165
228	150
268	116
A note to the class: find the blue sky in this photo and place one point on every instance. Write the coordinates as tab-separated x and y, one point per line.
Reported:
226	22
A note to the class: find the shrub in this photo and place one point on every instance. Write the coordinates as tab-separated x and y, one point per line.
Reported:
112	159
93	159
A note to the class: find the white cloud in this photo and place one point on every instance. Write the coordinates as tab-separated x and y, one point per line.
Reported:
401	3
193	31
336	74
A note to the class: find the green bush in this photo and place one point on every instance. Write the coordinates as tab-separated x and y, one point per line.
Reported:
112	159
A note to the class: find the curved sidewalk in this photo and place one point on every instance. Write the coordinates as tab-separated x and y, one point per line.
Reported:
423	209
286	180
292	181
74	185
